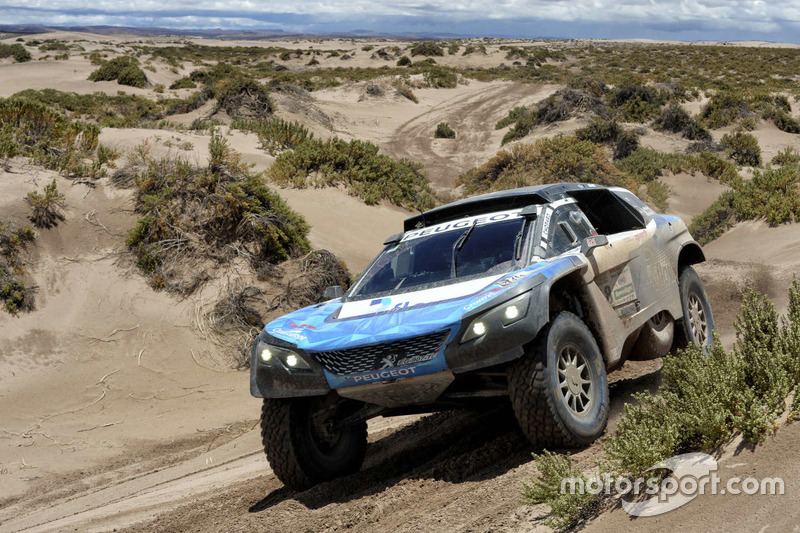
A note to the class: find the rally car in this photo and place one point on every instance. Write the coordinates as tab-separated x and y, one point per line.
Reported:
528	296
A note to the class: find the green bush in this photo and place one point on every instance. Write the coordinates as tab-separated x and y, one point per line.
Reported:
600	131
773	194
46	207
560	106
243	98
16	50
357	165
232	212
627	143
636	103
183	83
742	148
275	134
444	131
403	61
440	78
14	295
548	160
565	508
725	108
427	49
513	116
787	156
124	69
48	138
715	220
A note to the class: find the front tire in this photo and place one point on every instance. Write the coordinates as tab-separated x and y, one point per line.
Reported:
697	324
302	447
559	391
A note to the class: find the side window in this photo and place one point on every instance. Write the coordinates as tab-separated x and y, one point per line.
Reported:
568	229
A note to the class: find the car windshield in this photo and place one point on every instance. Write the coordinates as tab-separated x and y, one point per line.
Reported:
444	254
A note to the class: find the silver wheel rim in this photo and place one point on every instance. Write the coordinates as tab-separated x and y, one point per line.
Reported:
697	320
574	380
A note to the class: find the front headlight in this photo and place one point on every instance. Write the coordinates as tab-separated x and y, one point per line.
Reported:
269	355
498	317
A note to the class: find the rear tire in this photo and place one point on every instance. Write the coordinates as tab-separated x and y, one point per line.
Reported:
697	324
559	391
655	339
299	448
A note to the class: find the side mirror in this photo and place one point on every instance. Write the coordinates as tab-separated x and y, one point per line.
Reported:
334	291
593	241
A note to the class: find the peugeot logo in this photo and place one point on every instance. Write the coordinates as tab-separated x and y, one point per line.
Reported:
388	362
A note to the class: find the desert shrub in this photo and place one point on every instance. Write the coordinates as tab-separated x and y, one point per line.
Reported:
275	134
8	146
243	98
124	69
427	49
183	83
403	61
194	218
562	105
695	132
675	119
787	156
548	160
600	131
725	108
742	148
47	137
786	123
356	164
646	164
47	207
513	116
16	50
404	90
772	194
14	294
636	103
440	78
715	220
444	131
715	167
627	143
453	48
565	508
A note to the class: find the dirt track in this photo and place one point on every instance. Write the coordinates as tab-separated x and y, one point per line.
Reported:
473	116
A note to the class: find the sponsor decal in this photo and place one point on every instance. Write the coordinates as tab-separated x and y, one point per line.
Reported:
505	282
302	326
384	375
548	214
462	224
290	333
482	298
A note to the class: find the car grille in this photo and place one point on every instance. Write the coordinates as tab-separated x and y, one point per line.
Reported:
382	356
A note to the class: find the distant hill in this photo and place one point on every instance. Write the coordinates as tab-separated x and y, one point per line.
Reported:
217	33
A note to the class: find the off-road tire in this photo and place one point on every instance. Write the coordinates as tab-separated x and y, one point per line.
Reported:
656	338
692	292
536	397
293	452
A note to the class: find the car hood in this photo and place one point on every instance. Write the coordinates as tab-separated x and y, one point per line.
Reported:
334	325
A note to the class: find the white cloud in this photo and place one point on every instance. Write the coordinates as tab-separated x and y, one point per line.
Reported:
627	16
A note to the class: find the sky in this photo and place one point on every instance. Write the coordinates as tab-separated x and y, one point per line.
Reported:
694	20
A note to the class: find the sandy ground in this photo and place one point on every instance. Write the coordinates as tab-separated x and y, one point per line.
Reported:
119	411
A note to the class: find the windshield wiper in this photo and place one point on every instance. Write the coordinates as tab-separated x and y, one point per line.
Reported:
462	240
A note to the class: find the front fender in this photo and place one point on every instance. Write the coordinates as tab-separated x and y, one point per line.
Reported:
502	344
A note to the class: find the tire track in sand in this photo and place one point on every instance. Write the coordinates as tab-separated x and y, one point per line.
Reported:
473	117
